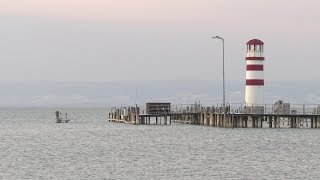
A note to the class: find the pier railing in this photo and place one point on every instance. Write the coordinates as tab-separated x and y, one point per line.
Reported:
238	109
274	109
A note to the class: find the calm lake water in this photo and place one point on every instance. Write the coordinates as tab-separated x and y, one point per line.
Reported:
33	146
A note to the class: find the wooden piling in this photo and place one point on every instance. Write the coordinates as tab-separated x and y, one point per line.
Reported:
58	120
211	123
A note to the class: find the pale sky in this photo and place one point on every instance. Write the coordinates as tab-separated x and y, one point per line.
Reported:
105	40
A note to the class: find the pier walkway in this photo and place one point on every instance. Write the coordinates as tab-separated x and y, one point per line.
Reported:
302	116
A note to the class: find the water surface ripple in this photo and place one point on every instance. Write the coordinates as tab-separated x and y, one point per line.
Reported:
32	146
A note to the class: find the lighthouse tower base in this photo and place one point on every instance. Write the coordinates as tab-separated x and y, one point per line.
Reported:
254	100
254	95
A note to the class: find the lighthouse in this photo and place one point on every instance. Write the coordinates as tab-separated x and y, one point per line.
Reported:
254	73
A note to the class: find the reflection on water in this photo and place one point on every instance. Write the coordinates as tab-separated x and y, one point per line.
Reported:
33	146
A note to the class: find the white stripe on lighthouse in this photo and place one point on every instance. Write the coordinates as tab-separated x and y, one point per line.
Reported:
255	75
258	62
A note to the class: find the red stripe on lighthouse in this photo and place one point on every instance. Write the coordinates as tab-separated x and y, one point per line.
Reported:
255	82
255	58
254	67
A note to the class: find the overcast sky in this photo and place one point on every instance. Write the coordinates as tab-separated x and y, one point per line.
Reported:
103	40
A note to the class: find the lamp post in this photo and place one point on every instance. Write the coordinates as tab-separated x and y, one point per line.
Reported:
223	76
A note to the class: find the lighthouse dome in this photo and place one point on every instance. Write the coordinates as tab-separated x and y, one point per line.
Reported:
255	42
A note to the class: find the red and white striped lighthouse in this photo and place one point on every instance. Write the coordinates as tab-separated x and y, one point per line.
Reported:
254	74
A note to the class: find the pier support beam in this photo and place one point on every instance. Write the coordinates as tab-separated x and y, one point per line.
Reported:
269	118
211	118
205	118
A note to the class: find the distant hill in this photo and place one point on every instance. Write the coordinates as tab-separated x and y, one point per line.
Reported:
104	94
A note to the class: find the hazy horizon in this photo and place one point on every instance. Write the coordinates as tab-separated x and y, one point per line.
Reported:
118	93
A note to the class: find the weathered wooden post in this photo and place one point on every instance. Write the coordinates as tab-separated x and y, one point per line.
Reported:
205	117
270	121
226	120
137	110
119	116
133	117
253	121
58	120
201	116
246	121
211	117
232	119
239	122
218	124
220	116
191	119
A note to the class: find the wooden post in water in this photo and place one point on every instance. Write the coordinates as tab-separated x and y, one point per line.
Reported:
133	117
205	117
211	117
232	119
256	121
216	119
201	117
270	121
246	121
220	119
138	116
226	120
241	122
58	120
253	121
143	120
128	120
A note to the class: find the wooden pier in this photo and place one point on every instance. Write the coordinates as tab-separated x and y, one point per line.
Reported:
215	117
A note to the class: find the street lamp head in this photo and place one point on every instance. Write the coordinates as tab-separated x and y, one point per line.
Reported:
217	37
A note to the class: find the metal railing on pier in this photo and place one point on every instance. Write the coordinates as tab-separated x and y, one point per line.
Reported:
237	108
